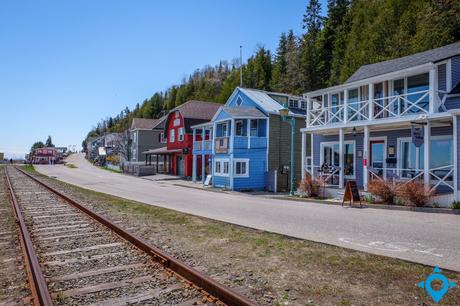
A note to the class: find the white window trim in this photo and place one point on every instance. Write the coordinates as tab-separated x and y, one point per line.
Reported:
417	150
162	137
180	134
353	142
242	126
241	160
172	135
221	162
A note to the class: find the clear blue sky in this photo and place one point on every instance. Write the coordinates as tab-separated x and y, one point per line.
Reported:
64	65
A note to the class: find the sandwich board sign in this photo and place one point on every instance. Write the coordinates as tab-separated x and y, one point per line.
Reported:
351	194
207	181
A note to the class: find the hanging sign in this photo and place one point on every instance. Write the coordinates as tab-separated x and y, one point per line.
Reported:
417	135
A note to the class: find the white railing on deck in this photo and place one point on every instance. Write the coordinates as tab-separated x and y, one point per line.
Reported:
386	107
328	178
439	176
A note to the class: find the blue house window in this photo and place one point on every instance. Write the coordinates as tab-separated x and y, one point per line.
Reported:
221	167
239	101
241	167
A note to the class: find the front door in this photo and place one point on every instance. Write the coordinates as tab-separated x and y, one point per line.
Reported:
180	166
377	156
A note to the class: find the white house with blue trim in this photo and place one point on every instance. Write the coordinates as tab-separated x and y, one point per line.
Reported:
361	130
248	143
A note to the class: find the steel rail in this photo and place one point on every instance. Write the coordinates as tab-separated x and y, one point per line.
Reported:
203	282
37	282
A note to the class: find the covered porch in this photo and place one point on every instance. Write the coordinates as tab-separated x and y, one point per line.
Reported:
386	151
161	159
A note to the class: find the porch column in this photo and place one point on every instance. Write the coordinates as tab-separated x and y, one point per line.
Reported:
366	156
232	144
371	101
302	162
341	161
203	136
432	103
193	138
194	168
307	120
455	148
427	157
249	133
345	105
312	165
157	165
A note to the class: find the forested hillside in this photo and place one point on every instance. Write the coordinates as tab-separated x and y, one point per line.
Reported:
329	50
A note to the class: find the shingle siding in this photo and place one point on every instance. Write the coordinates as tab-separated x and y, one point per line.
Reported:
279	153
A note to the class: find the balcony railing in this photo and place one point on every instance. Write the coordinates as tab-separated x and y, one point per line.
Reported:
374	109
206	145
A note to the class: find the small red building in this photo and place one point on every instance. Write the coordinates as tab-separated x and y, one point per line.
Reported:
179	134
45	156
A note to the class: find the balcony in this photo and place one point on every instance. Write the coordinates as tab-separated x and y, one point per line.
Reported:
396	106
221	145
202	146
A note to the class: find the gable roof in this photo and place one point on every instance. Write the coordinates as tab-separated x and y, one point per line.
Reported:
243	112
417	59
194	112
143	124
194	109
266	103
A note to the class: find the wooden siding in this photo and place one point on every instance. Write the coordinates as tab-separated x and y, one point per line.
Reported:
455	70
279	152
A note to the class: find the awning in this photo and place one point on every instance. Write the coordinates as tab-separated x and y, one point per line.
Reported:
161	151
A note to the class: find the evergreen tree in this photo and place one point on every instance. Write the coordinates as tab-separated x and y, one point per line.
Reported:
37	145
49	142
312	23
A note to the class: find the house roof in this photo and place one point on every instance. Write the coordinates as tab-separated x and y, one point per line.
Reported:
266	102
143	124
160	122
194	112
162	150
194	109
243	112
417	59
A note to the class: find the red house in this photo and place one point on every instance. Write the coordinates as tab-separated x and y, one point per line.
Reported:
45	156
179	134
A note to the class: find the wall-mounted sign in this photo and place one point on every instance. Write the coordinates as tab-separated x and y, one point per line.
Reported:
391	151
176	122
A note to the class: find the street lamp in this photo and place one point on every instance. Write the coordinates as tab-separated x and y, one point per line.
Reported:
284	112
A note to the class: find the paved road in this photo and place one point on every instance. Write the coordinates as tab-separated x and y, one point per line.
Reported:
421	237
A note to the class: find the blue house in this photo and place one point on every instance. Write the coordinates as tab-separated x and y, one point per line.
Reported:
247	143
362	130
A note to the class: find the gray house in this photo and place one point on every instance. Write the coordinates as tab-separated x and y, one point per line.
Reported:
145	134
393	120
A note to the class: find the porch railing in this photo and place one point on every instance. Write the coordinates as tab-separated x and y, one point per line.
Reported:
373	109
328	178
439	176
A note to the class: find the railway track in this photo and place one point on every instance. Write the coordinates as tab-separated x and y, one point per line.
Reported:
13	277
85	259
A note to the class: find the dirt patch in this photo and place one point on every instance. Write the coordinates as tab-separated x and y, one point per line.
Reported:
269	268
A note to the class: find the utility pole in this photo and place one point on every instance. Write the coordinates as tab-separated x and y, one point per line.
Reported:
241	66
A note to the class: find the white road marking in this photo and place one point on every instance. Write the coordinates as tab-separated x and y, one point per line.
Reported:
393	247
